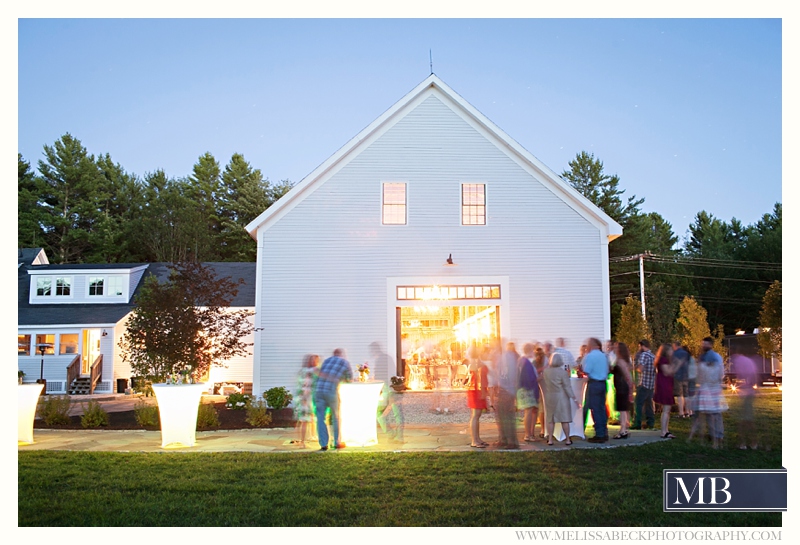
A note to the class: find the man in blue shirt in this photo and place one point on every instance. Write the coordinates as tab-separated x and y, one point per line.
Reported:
595	365
326	395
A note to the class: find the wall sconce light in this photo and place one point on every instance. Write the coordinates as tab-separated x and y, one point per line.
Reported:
450	260
105	333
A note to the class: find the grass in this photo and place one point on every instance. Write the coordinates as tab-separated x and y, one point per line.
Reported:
601	487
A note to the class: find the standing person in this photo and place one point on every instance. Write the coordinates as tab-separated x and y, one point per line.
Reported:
477	395
680	360
507	397
595	365
528	393
709	402
303	398
566	355
560	398
691	375
645	385
623	386
491	358
326	395
539	362
664	382
745	370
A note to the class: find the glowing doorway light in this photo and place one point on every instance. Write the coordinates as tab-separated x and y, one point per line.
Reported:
28	397
358	408
177	409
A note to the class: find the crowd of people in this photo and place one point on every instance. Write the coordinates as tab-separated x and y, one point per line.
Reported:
537	384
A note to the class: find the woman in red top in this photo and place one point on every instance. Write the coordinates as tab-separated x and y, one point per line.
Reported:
477	394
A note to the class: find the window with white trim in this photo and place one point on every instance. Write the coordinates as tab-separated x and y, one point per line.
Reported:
394	203
43	287
96	285
114	286
473	204
63	286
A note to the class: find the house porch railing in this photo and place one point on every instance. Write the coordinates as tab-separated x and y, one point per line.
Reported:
96	373
73	370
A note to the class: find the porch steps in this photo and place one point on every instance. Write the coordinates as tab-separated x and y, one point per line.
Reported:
80	386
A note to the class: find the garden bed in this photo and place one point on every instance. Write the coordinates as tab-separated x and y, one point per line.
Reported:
229	419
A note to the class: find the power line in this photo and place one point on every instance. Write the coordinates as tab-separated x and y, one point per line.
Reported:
707	261
712	277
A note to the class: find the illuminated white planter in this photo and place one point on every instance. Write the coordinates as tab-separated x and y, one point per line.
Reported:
177	409
28	397
358	408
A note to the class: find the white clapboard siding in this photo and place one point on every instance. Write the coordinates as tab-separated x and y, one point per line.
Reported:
324	264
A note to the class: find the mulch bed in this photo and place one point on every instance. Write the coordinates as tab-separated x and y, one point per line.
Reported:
229	419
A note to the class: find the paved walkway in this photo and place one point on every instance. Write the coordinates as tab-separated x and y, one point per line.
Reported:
417	438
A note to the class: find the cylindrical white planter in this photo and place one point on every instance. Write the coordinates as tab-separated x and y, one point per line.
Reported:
177	409
28	395
358	407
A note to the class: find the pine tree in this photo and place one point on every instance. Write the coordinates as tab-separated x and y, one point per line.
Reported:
71	200
204	190
587	176
245	194
29	211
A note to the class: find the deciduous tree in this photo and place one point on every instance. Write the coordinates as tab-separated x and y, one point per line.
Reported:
632	325
770	332
692	325
185	321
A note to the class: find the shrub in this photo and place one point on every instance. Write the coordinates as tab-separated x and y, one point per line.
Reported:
146	415
94	416
278	397
207	416
55	409
257	415
238	401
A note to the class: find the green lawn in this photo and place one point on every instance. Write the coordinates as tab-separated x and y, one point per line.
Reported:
602	487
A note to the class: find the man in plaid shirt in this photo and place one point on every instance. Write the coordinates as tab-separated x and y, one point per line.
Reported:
645	385
326	395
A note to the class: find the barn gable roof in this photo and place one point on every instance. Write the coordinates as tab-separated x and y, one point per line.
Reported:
434	85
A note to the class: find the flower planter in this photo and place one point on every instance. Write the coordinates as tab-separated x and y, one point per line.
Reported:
177	409
28	397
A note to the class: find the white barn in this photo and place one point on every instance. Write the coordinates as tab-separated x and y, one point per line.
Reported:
357	252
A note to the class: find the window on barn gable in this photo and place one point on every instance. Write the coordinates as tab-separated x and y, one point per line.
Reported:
473	204
394	203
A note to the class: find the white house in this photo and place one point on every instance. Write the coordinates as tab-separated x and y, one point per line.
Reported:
77	314
357	252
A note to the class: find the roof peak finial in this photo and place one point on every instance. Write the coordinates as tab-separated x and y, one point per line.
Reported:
430	56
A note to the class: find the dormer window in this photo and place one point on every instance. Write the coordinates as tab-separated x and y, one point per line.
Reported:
43	286
110	286
96	286
63	286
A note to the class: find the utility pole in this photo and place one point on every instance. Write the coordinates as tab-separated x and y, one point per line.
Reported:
641	282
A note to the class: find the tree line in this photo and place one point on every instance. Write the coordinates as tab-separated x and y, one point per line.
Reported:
86	209
725	266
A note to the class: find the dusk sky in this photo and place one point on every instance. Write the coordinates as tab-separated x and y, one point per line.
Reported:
686	111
